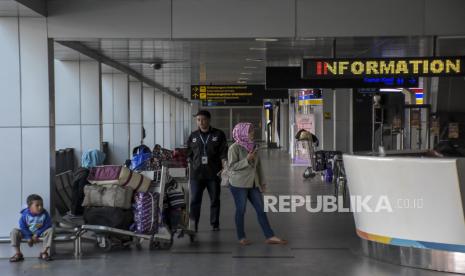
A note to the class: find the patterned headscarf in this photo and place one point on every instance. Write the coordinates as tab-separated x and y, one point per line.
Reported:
241	135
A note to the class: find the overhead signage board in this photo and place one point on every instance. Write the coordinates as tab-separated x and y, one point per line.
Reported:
290	78
382	67
234	95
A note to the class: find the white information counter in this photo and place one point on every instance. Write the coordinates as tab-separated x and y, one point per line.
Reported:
426	196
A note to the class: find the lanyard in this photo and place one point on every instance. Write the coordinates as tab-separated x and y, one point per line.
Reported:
204	144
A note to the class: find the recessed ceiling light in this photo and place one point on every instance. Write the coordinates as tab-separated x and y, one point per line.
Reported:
254	59
266	39
257	49
246	73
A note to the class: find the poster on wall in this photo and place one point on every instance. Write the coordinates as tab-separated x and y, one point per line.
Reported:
307	122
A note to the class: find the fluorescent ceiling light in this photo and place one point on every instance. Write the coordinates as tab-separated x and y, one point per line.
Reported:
254	59
246	73
241	82
243	79
266	39
307	39
390	90
257	49
250	67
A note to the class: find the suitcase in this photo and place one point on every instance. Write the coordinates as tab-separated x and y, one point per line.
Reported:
146	211
109	216
119	175
110	195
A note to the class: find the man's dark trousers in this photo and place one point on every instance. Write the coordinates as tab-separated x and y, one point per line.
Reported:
197	188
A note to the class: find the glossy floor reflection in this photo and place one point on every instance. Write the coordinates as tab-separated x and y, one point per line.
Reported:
319	244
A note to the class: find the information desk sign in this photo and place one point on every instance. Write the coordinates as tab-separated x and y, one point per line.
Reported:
383	67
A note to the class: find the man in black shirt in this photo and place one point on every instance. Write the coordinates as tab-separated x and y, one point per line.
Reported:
207	153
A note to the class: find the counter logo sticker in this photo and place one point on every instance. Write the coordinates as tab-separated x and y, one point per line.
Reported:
215	139
194	140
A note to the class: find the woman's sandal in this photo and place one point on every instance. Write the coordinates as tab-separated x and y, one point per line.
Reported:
276	241
44	256
245	242
17	258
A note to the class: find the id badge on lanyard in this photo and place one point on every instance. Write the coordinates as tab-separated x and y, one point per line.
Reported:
204	153
204	160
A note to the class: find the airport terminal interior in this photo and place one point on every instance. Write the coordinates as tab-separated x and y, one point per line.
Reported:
340	123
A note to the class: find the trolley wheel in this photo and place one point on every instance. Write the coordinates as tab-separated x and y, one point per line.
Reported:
154	245
138	244
105	243
308	173
192	238
166	245
160	245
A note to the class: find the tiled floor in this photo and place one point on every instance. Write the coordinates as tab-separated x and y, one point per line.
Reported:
319	244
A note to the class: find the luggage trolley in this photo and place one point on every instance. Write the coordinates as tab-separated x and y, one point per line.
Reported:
181	174
161	239
312	142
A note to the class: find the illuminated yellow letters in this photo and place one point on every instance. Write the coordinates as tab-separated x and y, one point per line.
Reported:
401	67
332	68
437	66
386	68
451	66
372	68
425	66
357	68
416	64
343	66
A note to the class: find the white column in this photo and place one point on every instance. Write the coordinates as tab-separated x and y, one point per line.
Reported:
173	122
135	113
167	121
149	116
91	90
159	118
115	116
107	114
77	106
179	123
121	117
26	122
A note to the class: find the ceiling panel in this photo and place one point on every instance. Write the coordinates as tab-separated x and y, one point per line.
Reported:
185	62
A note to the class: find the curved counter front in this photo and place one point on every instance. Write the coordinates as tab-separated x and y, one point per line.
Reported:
416	209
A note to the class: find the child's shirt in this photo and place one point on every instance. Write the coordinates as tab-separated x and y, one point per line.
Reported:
31	224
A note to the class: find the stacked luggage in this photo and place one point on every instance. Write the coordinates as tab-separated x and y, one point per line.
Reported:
108	200
125	204
146	212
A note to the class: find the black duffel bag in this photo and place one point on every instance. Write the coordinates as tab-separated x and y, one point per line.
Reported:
109	216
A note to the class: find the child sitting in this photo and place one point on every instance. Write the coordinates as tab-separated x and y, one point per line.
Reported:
35	223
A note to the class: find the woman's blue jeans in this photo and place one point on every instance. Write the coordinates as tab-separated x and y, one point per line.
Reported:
256	198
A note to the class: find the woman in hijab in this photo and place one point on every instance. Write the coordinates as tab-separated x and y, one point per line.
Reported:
247	182
90	158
